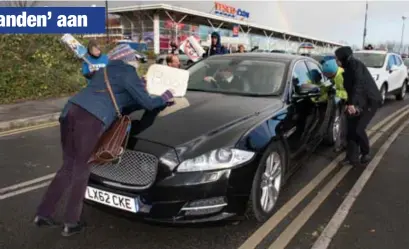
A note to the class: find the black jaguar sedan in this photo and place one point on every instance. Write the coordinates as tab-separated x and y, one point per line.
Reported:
246	123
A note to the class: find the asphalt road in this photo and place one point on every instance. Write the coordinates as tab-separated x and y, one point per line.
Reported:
34	154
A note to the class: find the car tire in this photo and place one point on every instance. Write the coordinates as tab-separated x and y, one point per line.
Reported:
268	181
334	128
402	92
383	93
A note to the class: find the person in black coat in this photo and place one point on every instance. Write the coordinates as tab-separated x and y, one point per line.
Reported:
364	99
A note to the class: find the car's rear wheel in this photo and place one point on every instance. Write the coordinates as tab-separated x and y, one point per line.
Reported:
268	181
383	93
402	92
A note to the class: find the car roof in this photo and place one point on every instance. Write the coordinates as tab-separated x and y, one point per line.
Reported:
255	55
372	52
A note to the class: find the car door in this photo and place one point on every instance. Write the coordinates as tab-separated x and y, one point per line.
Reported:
300	112
402	72
393	75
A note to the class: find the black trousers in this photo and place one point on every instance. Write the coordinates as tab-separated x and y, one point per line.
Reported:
357	139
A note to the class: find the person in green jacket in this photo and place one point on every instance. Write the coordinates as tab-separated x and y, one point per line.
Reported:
333	72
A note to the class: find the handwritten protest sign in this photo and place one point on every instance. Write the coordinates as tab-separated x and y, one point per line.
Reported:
161	78
192	48
74	45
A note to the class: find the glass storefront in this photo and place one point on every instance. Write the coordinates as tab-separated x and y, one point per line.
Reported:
141	30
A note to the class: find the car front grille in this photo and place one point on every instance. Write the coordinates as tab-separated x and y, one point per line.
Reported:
134	168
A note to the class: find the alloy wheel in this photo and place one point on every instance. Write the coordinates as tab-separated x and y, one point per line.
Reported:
383	93
271	182
403	93
336	128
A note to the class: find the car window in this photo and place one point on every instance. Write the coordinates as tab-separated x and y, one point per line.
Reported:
398	60
244	76
391	62
406	62
316	74
300	74
371	59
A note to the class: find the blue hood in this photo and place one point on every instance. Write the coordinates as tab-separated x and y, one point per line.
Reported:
218	48
215	34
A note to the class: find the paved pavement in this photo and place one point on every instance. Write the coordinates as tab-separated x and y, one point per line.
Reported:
34	154
30	113
379	217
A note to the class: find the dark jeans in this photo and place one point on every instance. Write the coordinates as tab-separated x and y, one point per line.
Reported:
357	139
80	132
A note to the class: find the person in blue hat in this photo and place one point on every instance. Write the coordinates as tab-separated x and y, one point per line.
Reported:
333	72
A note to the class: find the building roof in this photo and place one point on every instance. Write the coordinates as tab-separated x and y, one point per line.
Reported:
214	17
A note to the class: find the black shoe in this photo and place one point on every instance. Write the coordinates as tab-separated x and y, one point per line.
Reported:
69	230
365	159
344	162
45	222
347	162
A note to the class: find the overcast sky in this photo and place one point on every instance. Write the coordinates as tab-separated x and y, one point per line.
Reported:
330	20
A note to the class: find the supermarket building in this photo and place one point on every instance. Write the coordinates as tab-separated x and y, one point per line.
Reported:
156	25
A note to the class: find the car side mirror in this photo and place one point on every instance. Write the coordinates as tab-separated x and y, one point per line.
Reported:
393	68
306	91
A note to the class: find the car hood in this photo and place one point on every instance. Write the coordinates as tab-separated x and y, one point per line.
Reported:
374	71
198	114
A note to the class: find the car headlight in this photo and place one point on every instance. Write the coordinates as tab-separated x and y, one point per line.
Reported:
375	76
217	159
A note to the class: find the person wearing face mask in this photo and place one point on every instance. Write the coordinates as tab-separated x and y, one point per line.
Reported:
363	101
226	80
85	117
95	60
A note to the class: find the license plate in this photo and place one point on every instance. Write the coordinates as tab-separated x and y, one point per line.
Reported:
111	199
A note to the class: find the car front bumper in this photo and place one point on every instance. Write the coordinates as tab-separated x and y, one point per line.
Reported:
187	197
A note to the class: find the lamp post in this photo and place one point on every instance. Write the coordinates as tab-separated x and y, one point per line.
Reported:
403	29
366	19
107	21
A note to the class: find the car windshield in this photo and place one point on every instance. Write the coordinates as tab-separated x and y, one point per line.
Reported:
371	59
235	75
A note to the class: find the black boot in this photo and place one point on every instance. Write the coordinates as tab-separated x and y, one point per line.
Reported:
365	159
71	229
344	162
45	222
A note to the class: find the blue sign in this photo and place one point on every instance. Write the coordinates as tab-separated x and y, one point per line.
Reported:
52	20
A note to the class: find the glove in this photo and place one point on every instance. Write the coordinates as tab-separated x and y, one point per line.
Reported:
167	96
143	81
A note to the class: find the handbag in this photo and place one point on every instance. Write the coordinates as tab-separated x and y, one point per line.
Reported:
113	141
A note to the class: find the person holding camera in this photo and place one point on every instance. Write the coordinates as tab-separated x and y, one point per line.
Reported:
364	99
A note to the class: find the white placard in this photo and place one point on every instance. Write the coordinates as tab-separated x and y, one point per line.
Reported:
74	45
192	48
161	78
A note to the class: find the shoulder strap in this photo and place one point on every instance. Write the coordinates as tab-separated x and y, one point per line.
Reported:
111	94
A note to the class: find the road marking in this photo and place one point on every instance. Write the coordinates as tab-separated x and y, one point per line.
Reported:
285	237
274	220
27	183
24	190
29	128
332	227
